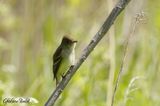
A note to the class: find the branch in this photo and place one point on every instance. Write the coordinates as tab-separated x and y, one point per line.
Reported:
95	40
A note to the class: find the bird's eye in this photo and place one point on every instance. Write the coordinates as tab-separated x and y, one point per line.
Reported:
69	42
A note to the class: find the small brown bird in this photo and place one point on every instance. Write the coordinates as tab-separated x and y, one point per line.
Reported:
63	58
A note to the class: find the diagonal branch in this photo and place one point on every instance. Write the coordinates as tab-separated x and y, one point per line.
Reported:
98	36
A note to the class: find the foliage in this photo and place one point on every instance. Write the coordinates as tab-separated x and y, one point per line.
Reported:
31	30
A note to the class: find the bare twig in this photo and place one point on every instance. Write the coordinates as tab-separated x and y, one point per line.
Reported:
99	35
138	18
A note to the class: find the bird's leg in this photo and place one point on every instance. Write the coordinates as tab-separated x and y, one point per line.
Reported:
63	76
72	66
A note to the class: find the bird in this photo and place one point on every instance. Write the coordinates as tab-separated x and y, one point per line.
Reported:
63	58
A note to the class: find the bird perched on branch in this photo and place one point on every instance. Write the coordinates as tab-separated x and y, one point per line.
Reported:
63	58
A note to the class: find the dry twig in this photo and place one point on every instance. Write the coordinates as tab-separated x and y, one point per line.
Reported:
139	17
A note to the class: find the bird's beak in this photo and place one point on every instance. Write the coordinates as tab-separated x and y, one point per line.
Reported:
75	41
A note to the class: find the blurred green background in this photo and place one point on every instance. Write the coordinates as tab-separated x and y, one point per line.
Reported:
31	30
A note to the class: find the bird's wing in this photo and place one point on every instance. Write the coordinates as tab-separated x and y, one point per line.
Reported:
57	59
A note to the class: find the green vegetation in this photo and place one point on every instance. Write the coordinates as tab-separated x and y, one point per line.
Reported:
31	30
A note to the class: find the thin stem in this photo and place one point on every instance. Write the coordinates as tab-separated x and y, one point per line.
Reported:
126	42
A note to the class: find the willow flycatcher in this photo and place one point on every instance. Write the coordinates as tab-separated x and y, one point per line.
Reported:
63	58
